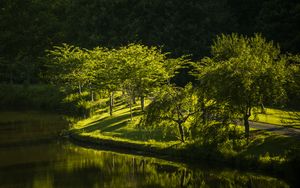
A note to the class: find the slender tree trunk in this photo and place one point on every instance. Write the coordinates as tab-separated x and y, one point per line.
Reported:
111	103
133	99
92	96
262	108
182	179
130	105
142	102
113	99
247	128
246	122
181	131
79	88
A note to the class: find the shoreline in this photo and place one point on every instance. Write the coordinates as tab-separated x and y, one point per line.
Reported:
285	171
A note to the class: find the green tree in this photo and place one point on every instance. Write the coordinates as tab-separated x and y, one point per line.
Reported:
107	72
172	106
243	72
143	70
293	84
69	67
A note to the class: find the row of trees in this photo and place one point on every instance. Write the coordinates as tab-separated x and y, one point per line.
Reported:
242	74
136	70
28	27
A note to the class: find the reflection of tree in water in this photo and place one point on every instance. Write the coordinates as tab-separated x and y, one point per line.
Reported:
61	164
107	169
134	171
80	167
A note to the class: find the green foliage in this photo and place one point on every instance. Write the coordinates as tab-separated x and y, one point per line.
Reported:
30	27
135	69
243	73
293	84
68	65
172	106
80	105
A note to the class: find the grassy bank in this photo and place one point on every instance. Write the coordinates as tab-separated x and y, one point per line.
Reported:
279	117
266	151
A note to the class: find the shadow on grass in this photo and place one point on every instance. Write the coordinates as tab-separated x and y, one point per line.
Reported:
107	124
273	145
118	125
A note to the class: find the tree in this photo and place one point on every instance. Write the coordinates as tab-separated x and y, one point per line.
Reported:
243	72
173	106
143	69
68	66
293	84
108	71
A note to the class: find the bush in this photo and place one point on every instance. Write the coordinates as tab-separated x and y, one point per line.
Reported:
79	104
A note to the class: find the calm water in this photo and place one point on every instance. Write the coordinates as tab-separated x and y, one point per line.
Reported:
31	155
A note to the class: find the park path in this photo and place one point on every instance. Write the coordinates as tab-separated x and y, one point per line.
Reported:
275	128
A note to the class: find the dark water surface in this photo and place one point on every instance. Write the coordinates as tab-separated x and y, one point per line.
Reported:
31	155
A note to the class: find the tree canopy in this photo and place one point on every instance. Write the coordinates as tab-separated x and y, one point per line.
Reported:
29	27
243	72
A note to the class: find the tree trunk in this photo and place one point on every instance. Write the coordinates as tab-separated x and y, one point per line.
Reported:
142	102
130	105
246	123
133	99
181	131
92	96
79	88
111	103
247	128
262	108
182	179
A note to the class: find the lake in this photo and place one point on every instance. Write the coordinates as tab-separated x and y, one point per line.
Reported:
33	154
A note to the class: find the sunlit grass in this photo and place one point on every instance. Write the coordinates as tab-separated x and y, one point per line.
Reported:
118	130
121	128
279	117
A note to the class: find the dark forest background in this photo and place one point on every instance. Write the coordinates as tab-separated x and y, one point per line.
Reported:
29	27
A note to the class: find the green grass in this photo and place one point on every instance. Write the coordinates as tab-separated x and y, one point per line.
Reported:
119	127
274	145
119	131
279	117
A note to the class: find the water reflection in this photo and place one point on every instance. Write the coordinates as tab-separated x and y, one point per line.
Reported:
26	127
59	163
62	164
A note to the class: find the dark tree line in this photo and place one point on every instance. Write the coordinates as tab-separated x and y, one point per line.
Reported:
29	27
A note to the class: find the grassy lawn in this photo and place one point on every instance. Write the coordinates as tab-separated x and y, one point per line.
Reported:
119	127
279	117
119	130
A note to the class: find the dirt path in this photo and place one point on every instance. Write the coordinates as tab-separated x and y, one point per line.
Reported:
275	128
